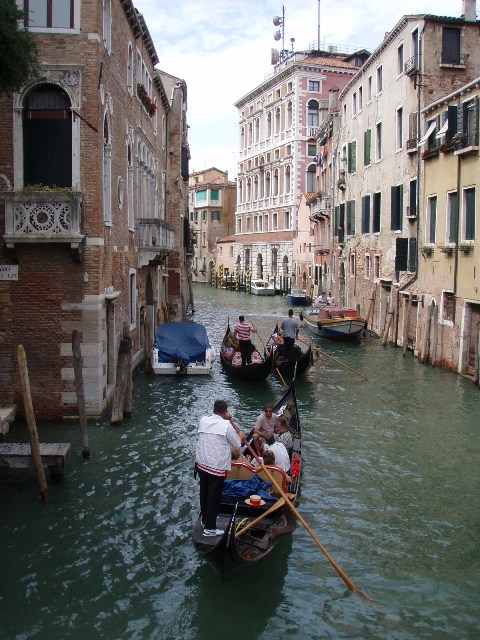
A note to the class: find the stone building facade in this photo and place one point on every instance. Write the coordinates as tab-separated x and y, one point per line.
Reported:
93	174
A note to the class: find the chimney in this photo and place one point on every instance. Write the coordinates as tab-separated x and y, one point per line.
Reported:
333	99
469	10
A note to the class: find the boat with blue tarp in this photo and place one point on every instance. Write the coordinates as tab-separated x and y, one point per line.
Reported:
182	348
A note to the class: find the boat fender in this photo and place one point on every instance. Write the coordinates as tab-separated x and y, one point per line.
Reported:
300	315
319	325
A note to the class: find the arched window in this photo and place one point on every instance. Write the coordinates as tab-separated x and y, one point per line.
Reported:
313	114
257	129
267	184
259	266
311	179
255	188
240	191
47	125
277	120
285	265
269	124
250	133
130	215
107	172
289	114
130	69
275	183
242	137
287	179
249	189
274	261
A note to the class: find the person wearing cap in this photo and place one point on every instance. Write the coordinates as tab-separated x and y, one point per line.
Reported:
242	332
289	328
216	437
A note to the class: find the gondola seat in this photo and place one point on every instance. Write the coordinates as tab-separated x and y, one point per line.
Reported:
277	474
241	471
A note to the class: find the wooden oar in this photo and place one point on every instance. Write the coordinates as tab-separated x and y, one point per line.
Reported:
273	508
340	571
324	353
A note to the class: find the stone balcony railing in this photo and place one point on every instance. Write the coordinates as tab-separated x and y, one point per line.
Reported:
43	216
155	239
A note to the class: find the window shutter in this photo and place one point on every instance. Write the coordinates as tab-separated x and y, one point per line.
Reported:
469	214
413	198
350	217
336	221
460	114
367	147
412	254
377	206
401	254
474	134
396	207
412	126
452	122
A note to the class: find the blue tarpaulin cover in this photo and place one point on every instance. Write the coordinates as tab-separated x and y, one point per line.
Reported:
187	341
246	488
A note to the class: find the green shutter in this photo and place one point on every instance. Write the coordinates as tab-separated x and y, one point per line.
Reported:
401	254
396	207
469	214
377	208
350	217
367	147
452	122
412	254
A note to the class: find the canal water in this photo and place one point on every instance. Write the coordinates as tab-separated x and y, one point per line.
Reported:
390	488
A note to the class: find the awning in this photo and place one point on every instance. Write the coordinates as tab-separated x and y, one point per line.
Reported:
430	130
442	130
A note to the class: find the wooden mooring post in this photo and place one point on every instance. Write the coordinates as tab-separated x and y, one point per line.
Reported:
387	328
123	371
79	388
426	336
32	426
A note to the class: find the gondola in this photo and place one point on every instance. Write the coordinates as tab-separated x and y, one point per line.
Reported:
234	552
299	363
260	368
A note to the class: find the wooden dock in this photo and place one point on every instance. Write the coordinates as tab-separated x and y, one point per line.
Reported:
16	455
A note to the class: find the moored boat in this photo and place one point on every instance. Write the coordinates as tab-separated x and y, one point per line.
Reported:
182	348
297	298
334	323
244	544
231	361
260	287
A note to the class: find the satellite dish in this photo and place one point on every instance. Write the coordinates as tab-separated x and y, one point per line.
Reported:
275	58
277	35
277	21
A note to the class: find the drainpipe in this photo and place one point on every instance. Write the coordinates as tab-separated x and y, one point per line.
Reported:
457	222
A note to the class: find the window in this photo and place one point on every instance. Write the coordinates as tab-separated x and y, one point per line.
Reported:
412	254
379	79
289	114
107	172
201	196
274	221
366	214
352	264
396	208
269	124
360	98
376	267
50	14
313	85
412	130
378	141
367	266
354	104
377	211
452	217
287	179
400	60
287	219
367	147
448	300
311	179
412	199
401	254
352	157
277	120
369	89
431	230
215	216
107	26
204	216
451	45
313	113
351	217
214	194
130	69
467	122
130	212
468	230
399	128
311	149
275	183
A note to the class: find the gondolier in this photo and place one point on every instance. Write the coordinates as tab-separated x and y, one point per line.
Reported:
242	333
216	436
289	329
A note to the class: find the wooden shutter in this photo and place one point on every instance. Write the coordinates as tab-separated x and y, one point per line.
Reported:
401	254
474	134
350	217
412	126
412	254
366	214
367	147
452	122
413	198
377	208
396	207
469	195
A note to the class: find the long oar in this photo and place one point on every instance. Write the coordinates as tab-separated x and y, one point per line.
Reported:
276	368
340	571
273	508
324	353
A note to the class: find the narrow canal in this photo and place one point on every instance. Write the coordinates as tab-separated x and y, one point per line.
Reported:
390	487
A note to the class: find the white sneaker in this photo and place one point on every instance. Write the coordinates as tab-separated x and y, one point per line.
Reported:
213	532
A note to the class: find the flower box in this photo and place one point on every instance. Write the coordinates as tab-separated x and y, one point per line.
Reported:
431	152
145	99
466	248
448	250
427	250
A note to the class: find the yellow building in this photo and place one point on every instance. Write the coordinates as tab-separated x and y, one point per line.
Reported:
449	269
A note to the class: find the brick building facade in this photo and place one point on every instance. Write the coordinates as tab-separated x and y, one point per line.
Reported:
94	178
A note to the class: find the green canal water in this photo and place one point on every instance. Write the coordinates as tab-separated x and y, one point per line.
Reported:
390	487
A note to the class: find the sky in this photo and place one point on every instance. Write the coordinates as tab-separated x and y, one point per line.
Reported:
222	49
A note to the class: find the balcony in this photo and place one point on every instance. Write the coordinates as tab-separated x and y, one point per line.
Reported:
43	216
412	145
155	240
457	61
466	143
411	66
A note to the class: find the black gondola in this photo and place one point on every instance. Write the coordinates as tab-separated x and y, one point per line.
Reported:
297	364
251	372
230	555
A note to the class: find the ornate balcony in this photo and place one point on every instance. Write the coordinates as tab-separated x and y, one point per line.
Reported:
155	240
43	216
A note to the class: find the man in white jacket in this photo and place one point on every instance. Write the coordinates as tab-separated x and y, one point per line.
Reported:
216	437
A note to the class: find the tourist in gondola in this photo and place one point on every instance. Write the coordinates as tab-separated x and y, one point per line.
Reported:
242	332
216	437
282	434
289	328
265	424
282	459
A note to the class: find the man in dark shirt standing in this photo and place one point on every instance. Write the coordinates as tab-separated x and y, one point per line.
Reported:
289	328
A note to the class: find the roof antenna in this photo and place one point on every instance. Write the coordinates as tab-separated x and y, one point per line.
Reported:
318	35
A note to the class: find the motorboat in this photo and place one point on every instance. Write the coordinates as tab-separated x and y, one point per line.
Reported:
182	348
298	298
260	287
334	323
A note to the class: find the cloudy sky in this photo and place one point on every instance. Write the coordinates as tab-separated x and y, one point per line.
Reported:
222	49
